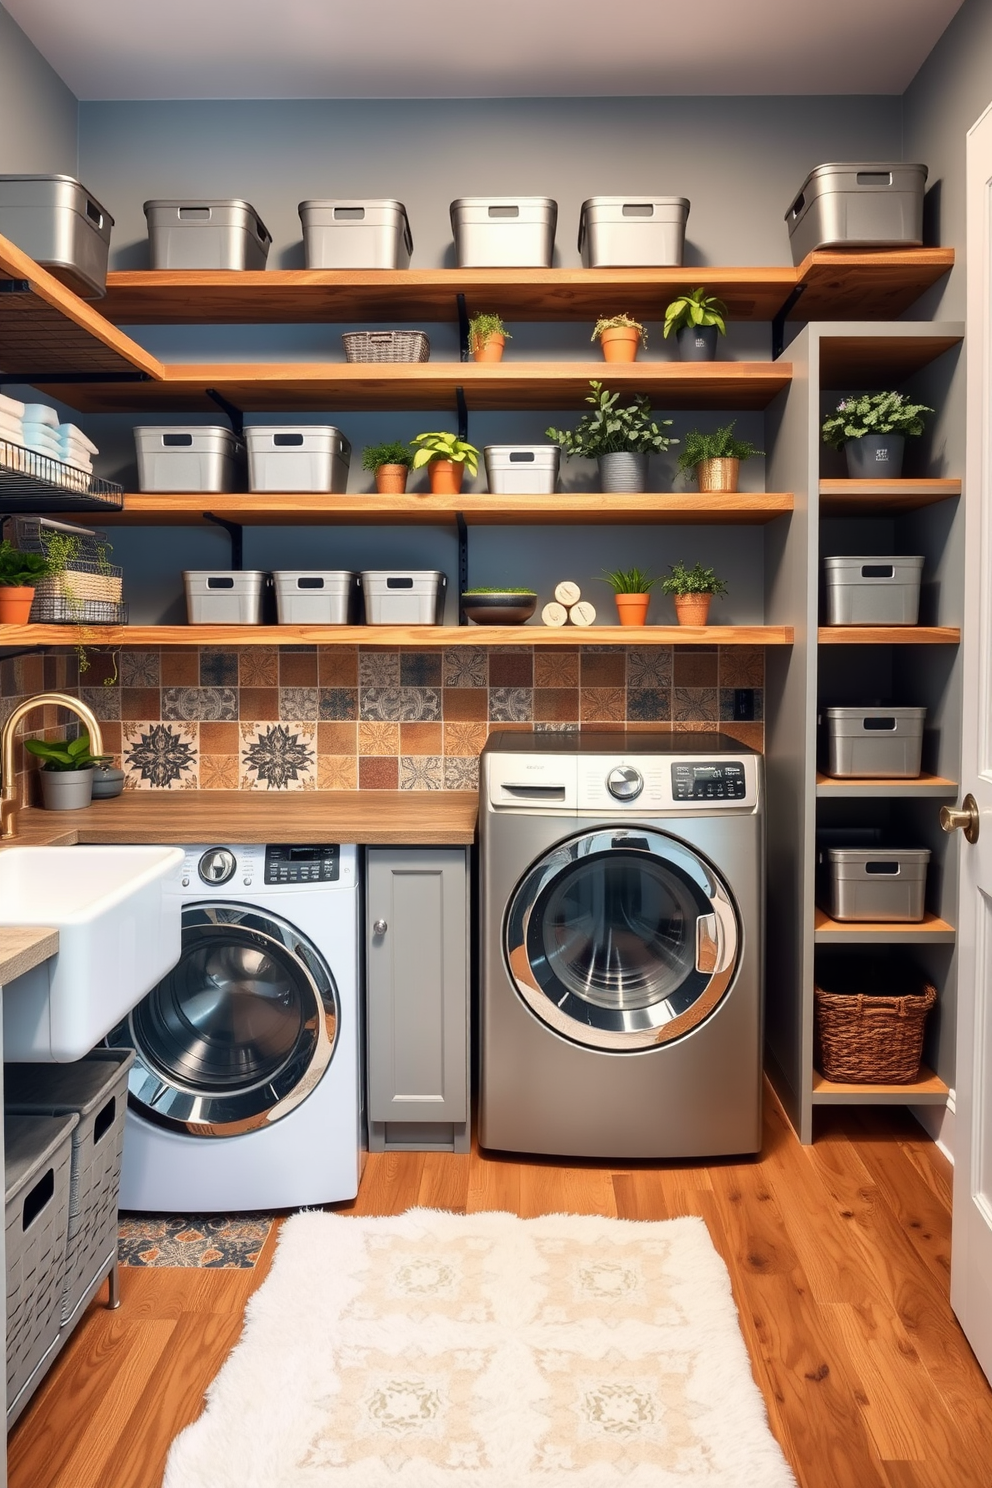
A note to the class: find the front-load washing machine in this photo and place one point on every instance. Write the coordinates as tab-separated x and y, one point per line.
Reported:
621	944
245	1091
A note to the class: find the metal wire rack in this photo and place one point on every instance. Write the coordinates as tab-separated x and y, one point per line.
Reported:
30	482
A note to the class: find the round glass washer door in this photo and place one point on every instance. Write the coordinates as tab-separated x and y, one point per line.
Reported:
239	1032
622	939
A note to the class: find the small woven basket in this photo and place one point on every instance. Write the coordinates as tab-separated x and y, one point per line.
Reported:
862	1039
386	346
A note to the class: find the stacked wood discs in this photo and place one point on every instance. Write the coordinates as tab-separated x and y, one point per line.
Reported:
568	606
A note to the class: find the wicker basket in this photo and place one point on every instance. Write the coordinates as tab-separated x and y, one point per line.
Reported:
77	584
863	1039
386	346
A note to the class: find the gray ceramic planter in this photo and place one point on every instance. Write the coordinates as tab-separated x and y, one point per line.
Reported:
697	343
875	456
623	472
108	781
66	790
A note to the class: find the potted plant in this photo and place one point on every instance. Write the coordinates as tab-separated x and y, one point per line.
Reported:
619	337
389	463
19	573
487	336
716	458
66	771
692	589
696	319
447	457
619	438
871	430
631	590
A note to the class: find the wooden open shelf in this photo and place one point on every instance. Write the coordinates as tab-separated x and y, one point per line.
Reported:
930	930
889	635
923	785
419	636
882	498
926	1090
848	362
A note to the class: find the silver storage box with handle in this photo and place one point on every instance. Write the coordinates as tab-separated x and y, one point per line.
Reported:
522	469
206	457
311	597
58	223
504	232
858	204
876	883
874	743
297	457
225	234
872	590
412	598
349	234
230	597
619	232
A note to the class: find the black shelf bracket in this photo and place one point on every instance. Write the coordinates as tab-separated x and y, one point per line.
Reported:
462	408
234	414
15	286
7	653
778	323
462	565
462	327
236	533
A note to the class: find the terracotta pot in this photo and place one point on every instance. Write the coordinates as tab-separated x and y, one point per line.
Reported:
620	344
692	609
15	604
718	475
446	476
488	351
632	608
390	480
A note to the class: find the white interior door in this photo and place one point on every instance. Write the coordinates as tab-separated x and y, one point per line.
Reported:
971	1242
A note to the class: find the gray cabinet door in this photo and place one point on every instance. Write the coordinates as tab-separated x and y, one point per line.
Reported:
417	951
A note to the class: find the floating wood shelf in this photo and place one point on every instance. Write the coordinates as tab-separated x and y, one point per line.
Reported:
858	361
926	1090
828	787
889	635
882	498
418	636
931	929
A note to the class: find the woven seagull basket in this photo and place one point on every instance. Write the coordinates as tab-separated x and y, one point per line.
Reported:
386	346
863	1039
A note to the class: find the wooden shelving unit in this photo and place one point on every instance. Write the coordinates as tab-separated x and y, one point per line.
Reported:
931	929
889	635
883	498
830	788
926	1090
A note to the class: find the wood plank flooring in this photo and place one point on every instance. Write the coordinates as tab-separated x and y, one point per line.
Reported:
839	1255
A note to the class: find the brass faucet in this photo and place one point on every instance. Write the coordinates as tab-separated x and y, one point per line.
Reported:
8	794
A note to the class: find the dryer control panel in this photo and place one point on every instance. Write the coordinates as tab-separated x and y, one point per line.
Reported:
305	864
716	780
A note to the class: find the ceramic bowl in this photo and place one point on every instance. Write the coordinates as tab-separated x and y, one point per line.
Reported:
499	609
107	782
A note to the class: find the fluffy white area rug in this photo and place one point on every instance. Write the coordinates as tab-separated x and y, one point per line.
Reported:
439	1350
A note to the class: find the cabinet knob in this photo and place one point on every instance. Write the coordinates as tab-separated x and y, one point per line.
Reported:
966	816
379	927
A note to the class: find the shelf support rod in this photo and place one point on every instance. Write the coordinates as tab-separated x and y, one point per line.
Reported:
462	564
778	323
462	408
236	533
234	414
462	327
15	286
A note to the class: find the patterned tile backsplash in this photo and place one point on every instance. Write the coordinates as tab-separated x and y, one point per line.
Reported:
23	676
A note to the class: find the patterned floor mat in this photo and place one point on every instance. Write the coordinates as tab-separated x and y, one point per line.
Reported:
217	1241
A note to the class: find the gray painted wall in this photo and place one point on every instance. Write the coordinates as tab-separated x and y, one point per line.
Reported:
37	111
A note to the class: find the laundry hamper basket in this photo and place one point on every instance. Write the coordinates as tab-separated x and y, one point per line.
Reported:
386	346
863	1038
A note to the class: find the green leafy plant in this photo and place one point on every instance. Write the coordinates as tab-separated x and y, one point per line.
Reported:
62	549
695	309
628	580
497	589
71	754
21	570
720	445
390	453
695	580
618	322
483	327
872	413
442	446
610	430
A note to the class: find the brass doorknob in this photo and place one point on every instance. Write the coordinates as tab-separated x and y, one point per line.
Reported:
966	816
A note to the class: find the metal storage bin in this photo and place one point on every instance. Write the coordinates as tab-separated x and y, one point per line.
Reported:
412	598
200	458
226	234
37	1160
61	226
95	1090
234	597
522	469
297	457
868	590
858	204
875	883
504	232
310	597
617	232
874	742
347	234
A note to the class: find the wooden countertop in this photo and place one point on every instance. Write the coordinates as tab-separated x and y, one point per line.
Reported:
25	946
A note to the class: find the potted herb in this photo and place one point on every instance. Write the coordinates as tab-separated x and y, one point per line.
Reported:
19	573
389	463
502	605
487	336
716	458
692	589
696	319
66	772
631	590
619	336
871	430
619	438
447	457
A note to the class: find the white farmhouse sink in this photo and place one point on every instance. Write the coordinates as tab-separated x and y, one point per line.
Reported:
119	933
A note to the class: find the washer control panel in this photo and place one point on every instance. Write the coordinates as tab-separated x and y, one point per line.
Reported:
717	780
217	865
286	864
624	782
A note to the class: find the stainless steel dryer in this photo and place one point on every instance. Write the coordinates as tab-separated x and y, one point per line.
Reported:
622	880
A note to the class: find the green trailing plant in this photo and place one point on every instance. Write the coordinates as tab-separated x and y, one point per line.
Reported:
618	322
720	445
443	446
695	580
68	754
872	413
62	549
609	430
694	309
393	452
628	580
484	326
21	570
497	589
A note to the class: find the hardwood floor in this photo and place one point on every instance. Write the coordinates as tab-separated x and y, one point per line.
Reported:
839	1255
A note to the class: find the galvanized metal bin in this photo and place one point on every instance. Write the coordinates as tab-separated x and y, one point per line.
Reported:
297	457
872	589
350	234
61	226
617	232
875	883
858	204
232	597
412	598
199	458
504	232
874	743
225	234
312	597
522	469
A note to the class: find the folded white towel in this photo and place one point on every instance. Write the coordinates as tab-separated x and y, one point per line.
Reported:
40	413
11	408
12	429
70	434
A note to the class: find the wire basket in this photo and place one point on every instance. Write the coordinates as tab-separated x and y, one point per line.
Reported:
866	1039
56	609
33	482
386	346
